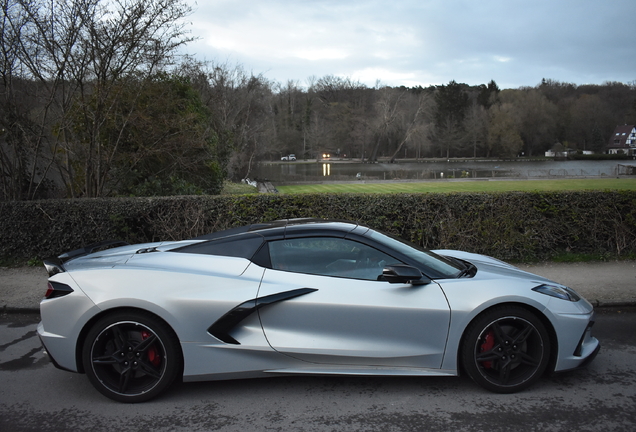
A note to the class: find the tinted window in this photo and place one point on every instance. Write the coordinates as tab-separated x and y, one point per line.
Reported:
242	246
329	257
444	267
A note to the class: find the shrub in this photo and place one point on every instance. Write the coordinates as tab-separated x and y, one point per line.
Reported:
513	226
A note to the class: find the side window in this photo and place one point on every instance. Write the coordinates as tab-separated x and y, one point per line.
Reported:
242	246
329	257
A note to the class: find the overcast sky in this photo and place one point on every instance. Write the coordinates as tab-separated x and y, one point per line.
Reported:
422	42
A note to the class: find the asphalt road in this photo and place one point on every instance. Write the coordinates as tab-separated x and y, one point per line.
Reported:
34	396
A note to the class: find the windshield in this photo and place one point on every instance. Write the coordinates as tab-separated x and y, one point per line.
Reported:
444	267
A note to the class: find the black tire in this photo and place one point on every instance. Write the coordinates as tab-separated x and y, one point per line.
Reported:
506	349
131	356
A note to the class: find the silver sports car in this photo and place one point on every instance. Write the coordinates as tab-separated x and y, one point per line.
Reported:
304	296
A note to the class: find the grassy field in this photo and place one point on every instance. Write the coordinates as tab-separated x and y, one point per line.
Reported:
230	188
466	186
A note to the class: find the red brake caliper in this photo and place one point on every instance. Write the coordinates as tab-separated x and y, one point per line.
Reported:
489	342
153	355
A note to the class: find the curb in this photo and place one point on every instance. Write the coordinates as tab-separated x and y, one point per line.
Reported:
600	304
19	310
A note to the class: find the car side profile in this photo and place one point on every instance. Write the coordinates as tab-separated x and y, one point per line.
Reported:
307	296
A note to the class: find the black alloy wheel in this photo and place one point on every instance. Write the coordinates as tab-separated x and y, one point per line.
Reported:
131	356
506	349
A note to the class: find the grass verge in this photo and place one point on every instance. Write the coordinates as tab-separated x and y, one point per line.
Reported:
465	186
230	188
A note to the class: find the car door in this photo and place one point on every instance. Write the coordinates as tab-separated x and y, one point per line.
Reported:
331	308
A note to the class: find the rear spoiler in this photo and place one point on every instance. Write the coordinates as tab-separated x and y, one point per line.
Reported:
55	265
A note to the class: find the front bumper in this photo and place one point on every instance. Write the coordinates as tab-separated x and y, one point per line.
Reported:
576	348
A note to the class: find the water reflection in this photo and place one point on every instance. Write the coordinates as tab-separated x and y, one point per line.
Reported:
288	170
339	171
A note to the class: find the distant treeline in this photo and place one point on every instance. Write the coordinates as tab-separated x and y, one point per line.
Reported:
94	101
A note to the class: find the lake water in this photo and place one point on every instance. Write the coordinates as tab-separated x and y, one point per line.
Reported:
291	172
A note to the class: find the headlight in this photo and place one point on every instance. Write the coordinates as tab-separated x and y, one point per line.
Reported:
561	292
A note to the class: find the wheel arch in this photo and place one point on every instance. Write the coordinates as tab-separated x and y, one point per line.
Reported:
554	343
79	346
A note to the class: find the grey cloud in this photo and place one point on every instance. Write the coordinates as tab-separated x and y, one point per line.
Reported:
582	41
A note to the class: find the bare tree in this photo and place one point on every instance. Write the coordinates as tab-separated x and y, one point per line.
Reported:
240	106
590	117
417	121
503	136
387	113
77	52
476	126
38	56
535	117
339	116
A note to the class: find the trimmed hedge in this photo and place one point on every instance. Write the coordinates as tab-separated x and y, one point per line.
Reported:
513	226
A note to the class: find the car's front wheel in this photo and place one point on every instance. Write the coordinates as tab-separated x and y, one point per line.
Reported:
506	349
131	356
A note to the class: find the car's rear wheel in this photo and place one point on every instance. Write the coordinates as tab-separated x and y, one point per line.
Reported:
506	349
131	356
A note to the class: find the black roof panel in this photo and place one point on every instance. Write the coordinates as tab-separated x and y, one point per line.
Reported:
288	225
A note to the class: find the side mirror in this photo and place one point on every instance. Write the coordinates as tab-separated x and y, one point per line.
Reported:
404	274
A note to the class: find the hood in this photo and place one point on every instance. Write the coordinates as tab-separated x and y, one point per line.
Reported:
488	266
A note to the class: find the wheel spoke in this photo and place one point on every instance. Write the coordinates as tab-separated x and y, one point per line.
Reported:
107	359
524	334
124	379
500	335
527	359
146	343
149	369
488	356
119	338
504	372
